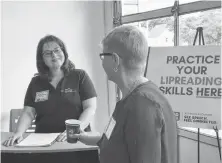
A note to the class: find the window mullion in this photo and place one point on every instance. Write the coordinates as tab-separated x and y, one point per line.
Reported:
175	11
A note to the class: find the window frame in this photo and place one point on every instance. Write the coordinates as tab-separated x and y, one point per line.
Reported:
183	9
166	12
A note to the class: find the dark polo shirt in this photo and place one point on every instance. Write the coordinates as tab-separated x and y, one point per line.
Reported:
54	106
142	129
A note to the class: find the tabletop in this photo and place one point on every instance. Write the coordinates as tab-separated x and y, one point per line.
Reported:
56	147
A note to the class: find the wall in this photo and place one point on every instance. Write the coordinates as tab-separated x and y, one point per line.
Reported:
111	87
79	24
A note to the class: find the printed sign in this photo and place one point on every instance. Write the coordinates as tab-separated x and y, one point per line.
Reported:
190	78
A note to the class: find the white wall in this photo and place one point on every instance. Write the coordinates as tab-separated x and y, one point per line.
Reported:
79	24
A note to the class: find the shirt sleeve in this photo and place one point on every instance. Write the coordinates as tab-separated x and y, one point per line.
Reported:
29	99
143	131
87	89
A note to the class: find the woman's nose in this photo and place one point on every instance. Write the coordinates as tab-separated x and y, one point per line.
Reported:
53	54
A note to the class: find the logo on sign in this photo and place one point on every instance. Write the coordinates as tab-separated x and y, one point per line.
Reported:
177	114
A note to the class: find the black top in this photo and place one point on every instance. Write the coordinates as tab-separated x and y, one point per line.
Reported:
54	106
142	129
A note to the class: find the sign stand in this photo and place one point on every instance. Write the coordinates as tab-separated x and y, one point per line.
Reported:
200	32
218	140
201	38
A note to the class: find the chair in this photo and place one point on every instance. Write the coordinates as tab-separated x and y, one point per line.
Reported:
14	116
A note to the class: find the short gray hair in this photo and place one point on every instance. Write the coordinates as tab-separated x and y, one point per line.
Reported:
130	44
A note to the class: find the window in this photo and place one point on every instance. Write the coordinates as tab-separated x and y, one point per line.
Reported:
159	32
143	5
130	9
187	1
210	21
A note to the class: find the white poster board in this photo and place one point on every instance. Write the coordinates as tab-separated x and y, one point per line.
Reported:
190	78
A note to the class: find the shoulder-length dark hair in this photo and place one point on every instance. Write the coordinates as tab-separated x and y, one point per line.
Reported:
43	70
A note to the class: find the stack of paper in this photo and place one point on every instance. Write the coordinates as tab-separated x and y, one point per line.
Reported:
38	139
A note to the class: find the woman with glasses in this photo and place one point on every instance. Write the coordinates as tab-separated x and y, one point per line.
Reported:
57	93
142	128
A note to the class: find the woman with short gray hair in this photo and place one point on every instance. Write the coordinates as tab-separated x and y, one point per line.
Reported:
143	127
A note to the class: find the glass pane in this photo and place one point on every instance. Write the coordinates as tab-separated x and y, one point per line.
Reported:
130	9
159	32
136	6
187	1
210	21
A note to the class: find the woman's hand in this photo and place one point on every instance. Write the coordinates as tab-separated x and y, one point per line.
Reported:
88	138
82	132
62	137
16	138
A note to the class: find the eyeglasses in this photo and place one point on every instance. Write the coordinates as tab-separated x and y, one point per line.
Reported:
48	53
104	54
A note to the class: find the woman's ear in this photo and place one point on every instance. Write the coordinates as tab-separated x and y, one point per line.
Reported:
116	59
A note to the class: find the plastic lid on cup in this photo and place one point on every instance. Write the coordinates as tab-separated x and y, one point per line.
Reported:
72	122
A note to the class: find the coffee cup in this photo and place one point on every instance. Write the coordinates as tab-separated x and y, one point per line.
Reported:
72	128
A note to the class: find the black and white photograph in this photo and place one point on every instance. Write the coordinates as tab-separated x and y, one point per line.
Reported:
111	81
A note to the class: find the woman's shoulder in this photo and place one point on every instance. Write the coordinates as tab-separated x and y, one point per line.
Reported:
36	78
78	72
151	93
147	90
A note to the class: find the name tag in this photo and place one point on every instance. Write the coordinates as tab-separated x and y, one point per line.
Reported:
110	127
42	96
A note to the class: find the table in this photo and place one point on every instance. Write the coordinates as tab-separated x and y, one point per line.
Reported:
61	152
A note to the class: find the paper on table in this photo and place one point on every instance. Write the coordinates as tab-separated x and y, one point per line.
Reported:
38	139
